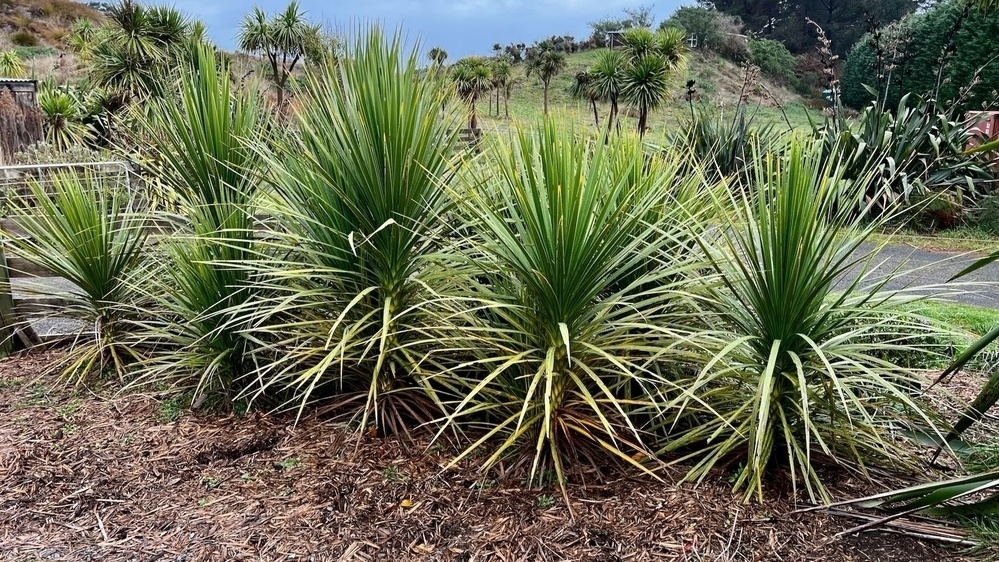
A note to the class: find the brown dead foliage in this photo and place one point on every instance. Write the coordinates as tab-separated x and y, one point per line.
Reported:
87	475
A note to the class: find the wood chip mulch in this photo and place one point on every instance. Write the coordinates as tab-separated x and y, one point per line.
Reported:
90	475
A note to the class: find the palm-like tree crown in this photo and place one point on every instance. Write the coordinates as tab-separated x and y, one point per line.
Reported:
545	62
437	55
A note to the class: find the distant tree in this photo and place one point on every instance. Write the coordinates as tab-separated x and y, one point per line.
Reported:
640	16
635	17
653	59
502	73
472	77
11	65
925	49
581	88
515	51
699	21
437	55
136	49
284	40
607	80
544	62
774	60
844	21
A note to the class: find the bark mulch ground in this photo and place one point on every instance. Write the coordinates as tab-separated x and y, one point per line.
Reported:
89	475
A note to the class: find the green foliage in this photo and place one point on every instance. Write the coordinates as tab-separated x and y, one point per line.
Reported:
81	37
790	379
844	21
63	117
87	232
472	77
965	497
774	60
653	59
354	198
906	57
915	150
285	40
607	80
11	65
579	269
544	62
200	142
135	51
714	30
723	145
640	17
437	55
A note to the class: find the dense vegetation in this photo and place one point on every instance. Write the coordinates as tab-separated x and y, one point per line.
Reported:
563	298
905	57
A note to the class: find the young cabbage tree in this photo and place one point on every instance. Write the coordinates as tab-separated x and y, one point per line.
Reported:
472	77
544	62
202	142
11	65
354	195
285	40
582	88
607	81
653	59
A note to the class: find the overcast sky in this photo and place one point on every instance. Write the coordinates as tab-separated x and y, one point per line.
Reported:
462	27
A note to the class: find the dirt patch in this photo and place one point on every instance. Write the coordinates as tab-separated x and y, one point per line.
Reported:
87	475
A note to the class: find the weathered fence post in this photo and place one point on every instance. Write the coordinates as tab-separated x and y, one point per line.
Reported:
7	318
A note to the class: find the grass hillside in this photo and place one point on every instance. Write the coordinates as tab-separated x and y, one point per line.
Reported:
35	29
719	83
40	24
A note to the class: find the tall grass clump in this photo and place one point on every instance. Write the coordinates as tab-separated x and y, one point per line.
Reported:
580	291
796	374
86	230
356	195
201	140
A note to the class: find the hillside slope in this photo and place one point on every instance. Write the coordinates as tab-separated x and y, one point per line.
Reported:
719	83
36	30
39	23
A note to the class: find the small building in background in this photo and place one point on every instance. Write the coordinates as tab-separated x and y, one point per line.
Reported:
24	91
20	121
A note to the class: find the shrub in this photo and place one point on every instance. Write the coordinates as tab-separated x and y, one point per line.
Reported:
791	377
774	60
912	151
715	31
722	145
63	117
85	230
910	57
24	39
697	21
354	196
200	143
581	252
11	65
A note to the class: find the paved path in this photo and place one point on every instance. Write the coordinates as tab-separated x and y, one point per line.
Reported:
924	267
919	268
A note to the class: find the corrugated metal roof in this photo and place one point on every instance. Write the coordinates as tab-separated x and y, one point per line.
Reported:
18	80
